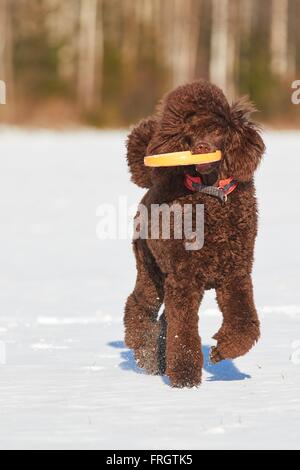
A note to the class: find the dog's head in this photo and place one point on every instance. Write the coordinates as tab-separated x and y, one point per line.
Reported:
197	117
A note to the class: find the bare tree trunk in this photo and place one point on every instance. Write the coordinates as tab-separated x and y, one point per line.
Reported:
222	47
177	41
145	10
219	39
233	40
157	23
293	28
87	53
130	21
246	17
189	46
62	22
245	27
100	51
279	37
181	27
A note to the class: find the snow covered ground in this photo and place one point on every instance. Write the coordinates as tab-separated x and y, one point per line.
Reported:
67	380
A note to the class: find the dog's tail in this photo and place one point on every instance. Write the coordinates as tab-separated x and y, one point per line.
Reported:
137	143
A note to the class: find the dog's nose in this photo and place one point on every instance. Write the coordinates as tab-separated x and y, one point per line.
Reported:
202	147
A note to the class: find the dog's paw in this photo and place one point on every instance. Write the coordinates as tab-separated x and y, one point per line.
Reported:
234	342
184	375
215	355
185	381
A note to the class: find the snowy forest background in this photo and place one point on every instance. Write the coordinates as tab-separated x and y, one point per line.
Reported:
107	62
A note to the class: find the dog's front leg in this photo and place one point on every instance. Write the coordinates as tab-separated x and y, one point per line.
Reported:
184	355
240	330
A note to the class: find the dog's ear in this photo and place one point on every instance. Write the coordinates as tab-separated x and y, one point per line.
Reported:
137	144
244	147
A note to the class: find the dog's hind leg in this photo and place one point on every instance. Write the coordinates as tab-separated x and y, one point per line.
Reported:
162	344
240	329
142	330
184	355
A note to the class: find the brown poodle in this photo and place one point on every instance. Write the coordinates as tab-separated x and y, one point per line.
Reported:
195	117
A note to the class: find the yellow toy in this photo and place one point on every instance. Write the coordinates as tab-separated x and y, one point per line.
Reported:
182	158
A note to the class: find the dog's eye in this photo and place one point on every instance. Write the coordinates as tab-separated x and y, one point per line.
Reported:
188	140
189	116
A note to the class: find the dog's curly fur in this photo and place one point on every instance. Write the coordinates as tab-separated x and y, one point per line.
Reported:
167	272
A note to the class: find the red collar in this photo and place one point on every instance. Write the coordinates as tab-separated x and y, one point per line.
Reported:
225	187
